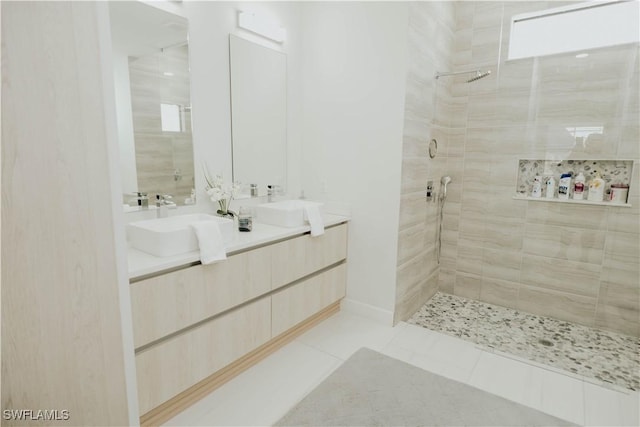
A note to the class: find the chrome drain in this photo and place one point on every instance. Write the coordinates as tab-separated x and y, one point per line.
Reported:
545	343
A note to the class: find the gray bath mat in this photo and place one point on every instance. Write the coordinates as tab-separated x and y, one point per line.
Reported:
371	389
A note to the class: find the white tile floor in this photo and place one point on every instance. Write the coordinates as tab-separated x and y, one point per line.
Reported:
265	392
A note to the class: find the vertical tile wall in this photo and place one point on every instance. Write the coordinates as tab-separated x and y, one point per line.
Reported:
159	154
430	41
573	262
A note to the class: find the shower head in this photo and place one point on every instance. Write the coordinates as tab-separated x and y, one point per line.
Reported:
444	181
479	75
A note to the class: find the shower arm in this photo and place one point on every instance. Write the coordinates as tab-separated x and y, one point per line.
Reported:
456	73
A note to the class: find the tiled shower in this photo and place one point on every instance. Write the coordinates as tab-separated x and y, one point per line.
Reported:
573	262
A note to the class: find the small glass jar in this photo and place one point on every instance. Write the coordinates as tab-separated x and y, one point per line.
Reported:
245	222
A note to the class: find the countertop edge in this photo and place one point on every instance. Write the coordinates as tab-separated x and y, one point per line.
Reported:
142	265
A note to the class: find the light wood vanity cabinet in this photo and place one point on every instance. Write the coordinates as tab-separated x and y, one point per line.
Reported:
190	324
293	304
170	302
296	258
176	364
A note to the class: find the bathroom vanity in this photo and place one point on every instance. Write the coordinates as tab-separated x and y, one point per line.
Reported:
197	326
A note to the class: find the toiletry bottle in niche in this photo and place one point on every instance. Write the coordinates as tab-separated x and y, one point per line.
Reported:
245	222
551	188
578	187
564	185
536	191
619	193
596	189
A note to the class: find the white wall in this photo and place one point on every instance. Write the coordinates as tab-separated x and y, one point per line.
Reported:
346	65
354	83
126	142
210	24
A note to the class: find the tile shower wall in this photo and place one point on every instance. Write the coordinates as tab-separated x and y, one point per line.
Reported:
430	41
160	154
572	262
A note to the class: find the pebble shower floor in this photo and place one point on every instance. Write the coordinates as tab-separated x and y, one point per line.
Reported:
606	357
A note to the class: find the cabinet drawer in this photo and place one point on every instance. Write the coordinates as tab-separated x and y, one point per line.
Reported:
165	304
294	304
176	364
296	258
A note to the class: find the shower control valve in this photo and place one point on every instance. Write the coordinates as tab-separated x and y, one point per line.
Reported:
429	194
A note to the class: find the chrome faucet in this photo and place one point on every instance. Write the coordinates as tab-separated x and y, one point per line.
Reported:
140	199
272	190
163	204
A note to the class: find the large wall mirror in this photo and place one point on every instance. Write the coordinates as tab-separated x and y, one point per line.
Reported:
153	103
258	114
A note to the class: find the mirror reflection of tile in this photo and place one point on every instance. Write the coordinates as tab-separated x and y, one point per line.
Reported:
162	122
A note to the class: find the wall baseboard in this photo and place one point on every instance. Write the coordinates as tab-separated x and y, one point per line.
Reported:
366	310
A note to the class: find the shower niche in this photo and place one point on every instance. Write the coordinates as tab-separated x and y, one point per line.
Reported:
616	174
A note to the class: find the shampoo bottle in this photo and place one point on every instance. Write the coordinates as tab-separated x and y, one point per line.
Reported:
536	191
578	187
596	189
564	185
551	188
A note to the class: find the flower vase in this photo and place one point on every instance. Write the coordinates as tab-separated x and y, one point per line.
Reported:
223	211
224	214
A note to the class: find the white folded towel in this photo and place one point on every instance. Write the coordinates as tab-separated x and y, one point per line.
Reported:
315	219
210	240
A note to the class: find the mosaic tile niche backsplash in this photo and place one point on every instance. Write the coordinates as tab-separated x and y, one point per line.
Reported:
612	171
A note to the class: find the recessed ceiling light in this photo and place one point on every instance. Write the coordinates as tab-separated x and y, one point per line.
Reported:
168	73
582	55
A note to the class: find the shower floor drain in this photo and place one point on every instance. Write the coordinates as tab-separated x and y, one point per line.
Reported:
546	343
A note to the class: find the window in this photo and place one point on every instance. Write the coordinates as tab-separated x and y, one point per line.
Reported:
574	28
584	134
170	118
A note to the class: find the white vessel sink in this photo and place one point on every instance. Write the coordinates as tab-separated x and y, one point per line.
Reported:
164	237
287	213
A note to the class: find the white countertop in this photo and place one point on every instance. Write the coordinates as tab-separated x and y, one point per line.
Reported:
142	263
